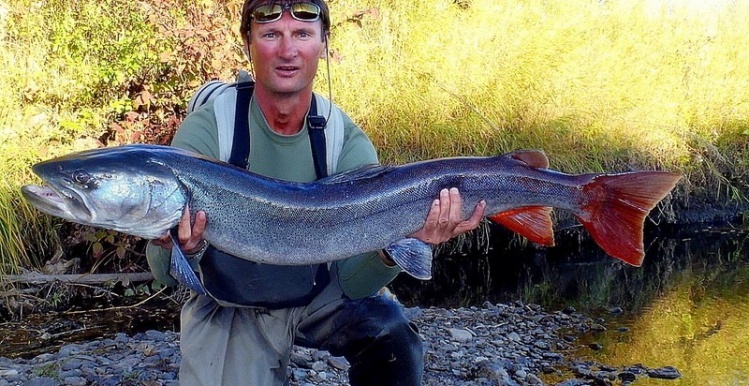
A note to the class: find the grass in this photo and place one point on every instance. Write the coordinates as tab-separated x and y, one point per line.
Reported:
599	86
611	81
65	68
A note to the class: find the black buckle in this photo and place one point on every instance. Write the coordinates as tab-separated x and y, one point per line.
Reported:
317	122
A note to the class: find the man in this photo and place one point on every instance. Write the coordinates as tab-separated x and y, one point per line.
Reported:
251	345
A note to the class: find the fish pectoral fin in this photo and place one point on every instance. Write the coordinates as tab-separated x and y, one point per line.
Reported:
413	256
532	222
180	269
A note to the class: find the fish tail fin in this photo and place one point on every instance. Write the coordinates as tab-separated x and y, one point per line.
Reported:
532	222
413	256
616	207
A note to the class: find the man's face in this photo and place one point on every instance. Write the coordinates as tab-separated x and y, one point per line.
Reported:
286	53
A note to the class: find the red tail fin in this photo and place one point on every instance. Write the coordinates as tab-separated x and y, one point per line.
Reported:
533	223
616	208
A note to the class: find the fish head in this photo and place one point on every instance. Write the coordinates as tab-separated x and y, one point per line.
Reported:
126	189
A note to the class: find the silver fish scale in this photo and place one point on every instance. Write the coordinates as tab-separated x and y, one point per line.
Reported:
286	223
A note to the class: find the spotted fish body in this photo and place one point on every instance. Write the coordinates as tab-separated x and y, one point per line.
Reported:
142	190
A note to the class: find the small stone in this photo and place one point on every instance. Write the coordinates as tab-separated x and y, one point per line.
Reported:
339	363
597	327
301	360
70	349
553	355
156	335
595	346
615	310
532	379
627	376
460	335
321	376
42	381
147	349
319	366
121	338
75	381
299	375
71	364
541	344
667	372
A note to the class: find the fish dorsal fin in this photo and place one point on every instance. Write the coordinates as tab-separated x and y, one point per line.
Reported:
532	222
360	173
534	158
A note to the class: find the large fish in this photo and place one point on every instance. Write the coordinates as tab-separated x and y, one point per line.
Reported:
142	190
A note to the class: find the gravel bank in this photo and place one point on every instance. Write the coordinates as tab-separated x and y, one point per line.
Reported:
498	344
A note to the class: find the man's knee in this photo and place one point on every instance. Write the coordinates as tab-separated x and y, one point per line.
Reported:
381	344
374	321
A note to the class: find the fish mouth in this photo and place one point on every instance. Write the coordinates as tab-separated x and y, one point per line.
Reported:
58	201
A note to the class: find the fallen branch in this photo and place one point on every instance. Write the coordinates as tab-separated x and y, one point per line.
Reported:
89	278
142	302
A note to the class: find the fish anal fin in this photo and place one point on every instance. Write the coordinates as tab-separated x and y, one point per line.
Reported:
617	206
534	158
531	222
413	256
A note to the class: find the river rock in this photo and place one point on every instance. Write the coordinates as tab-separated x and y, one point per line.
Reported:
498	344
667	372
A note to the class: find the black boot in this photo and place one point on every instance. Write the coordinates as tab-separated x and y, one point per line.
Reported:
379	342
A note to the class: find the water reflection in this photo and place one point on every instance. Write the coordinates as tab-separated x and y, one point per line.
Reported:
687	306
697	318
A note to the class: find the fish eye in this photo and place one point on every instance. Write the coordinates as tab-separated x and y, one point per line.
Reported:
81	177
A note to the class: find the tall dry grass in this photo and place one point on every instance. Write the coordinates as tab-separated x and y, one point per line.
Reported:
595	84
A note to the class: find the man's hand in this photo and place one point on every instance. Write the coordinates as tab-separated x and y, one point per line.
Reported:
444	219
190	235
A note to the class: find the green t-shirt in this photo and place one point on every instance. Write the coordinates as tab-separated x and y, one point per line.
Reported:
288	158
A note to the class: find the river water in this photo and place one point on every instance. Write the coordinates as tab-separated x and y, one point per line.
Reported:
687	306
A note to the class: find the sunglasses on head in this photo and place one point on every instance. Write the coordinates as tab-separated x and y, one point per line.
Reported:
269	13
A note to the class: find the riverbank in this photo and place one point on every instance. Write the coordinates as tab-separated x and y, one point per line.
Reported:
497	344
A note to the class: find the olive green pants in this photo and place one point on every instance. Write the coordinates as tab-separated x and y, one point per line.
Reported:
252	346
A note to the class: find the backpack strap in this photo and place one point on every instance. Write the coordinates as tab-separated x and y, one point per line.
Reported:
316	128
207	92
240	150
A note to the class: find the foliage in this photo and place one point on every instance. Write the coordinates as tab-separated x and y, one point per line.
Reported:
93	73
